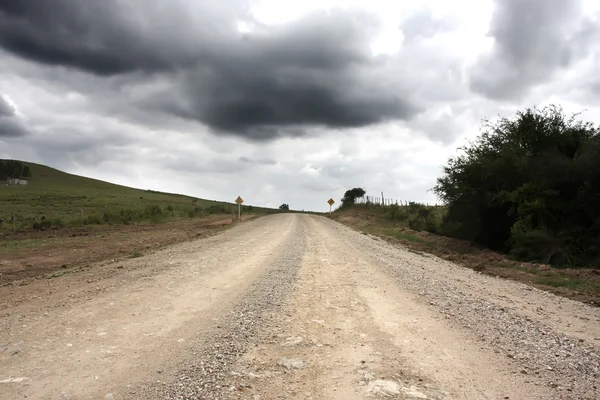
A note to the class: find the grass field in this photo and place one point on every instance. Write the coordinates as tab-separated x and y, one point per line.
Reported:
55	199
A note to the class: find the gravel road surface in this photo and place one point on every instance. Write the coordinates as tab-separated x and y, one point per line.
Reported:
292	306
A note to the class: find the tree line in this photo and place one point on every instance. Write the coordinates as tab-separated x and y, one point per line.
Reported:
528	186
13	169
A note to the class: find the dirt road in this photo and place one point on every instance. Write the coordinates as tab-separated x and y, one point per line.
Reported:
292	306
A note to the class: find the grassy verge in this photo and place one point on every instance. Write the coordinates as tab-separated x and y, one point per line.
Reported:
580	284
54	200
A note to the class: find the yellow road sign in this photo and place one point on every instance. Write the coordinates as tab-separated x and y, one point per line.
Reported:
239	200
331	201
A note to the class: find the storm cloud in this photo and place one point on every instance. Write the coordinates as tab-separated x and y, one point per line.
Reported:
102	37
6	109
532	41
316	71
10	123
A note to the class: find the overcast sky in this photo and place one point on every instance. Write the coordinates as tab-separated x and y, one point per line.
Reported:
281	101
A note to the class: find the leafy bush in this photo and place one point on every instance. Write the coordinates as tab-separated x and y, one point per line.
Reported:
92	219
528	186
42	225
351	195
418	224
424	218
397	213
537	245
219	209
195	212
153	210
46	224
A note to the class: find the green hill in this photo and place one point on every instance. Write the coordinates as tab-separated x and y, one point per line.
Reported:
53	198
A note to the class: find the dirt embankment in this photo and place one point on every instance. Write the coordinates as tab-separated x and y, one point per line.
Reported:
34	254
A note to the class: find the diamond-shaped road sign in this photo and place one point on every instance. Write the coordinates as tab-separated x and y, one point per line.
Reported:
239	200
331	201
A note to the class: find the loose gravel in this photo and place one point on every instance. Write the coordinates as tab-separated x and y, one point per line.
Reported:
542	339
569	365
209	376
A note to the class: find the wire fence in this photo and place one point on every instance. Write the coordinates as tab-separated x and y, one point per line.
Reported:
384	201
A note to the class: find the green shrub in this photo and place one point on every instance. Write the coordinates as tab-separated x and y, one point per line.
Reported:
46	224
397	213
538	246
528	186
417	223
153	210
127	216
194	212
92	219
218	209
43	225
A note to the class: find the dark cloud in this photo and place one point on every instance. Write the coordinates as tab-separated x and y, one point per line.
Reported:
69	33
107	37
316	71
532	40
310	72
256	101
10	124
11	127
6	109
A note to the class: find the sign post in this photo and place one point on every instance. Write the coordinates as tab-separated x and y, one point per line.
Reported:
330	202
239	202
